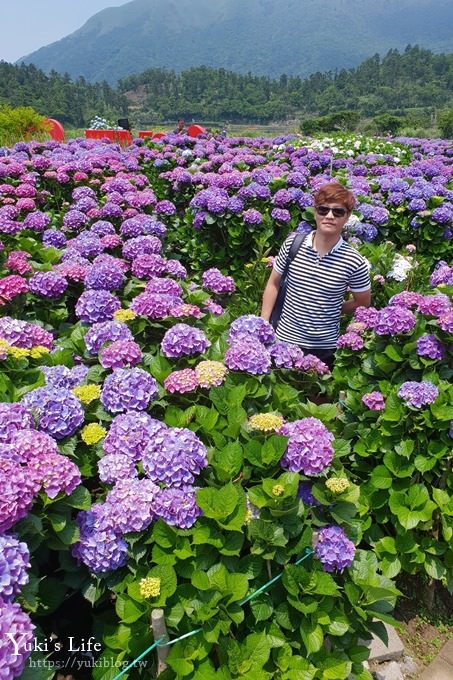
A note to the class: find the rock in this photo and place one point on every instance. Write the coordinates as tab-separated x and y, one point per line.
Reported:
380	652
389	671
408	665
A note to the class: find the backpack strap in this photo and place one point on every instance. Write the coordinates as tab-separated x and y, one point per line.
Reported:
294	249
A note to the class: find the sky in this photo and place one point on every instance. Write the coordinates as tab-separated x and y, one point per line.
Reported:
27	25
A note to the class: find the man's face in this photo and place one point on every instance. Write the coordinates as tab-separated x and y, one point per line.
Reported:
331	218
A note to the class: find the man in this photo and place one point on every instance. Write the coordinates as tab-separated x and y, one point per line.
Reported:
324	268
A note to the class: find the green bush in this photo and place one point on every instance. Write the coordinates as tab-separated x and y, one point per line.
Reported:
21	123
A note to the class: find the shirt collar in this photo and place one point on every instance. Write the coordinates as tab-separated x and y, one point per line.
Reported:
337	245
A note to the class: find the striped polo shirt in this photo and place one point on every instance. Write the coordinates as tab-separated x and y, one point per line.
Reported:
316	290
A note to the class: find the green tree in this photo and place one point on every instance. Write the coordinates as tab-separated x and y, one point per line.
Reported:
445	123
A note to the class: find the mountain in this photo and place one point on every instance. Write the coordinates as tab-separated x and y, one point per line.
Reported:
264	37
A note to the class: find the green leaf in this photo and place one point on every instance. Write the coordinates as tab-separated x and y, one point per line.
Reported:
262	607
312	636
218	503
335	668
392	352
273	449
128	610
339	625
434	567
228	461
381	477
80	498
393	410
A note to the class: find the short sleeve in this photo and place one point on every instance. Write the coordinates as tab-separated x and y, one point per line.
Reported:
280	260
360	280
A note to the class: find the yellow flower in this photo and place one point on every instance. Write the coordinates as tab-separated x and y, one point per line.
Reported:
210	373
248	265
338	484
124	315
87	393
4	347
38	351
266	422
93	433
18	352
278	489
150	587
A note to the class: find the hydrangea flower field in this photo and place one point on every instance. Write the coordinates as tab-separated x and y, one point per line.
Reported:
159	448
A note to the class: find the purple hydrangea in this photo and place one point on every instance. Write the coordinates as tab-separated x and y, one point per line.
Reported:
130	432
374	400
115	466
184	340
281	214
163	286
252	216
129	505
58	411
11	286
442	274
418	394
253	326
141	245
176	269
251	357
56	473
120	354
215	282
350	341
154	305
29	444
36	221
366	315
311	363
429	346
95	306
334	549
446	322
107	331
14	652
406	298
17	491
435	305
285	355
128	389
181	381
393	320
14	417
62	376
177	507
304	492
309	449
54	238
104	277
165	208
74	220
147	265
14	562
174	456
23	334
101	550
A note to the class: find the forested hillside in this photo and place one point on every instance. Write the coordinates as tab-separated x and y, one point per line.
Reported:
416	79
73	102
416	83
264	37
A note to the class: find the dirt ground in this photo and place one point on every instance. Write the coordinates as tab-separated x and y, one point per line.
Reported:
424	628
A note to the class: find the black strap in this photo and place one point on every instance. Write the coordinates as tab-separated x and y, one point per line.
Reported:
294	249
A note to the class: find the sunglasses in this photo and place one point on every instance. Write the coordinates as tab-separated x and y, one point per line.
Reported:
325	210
